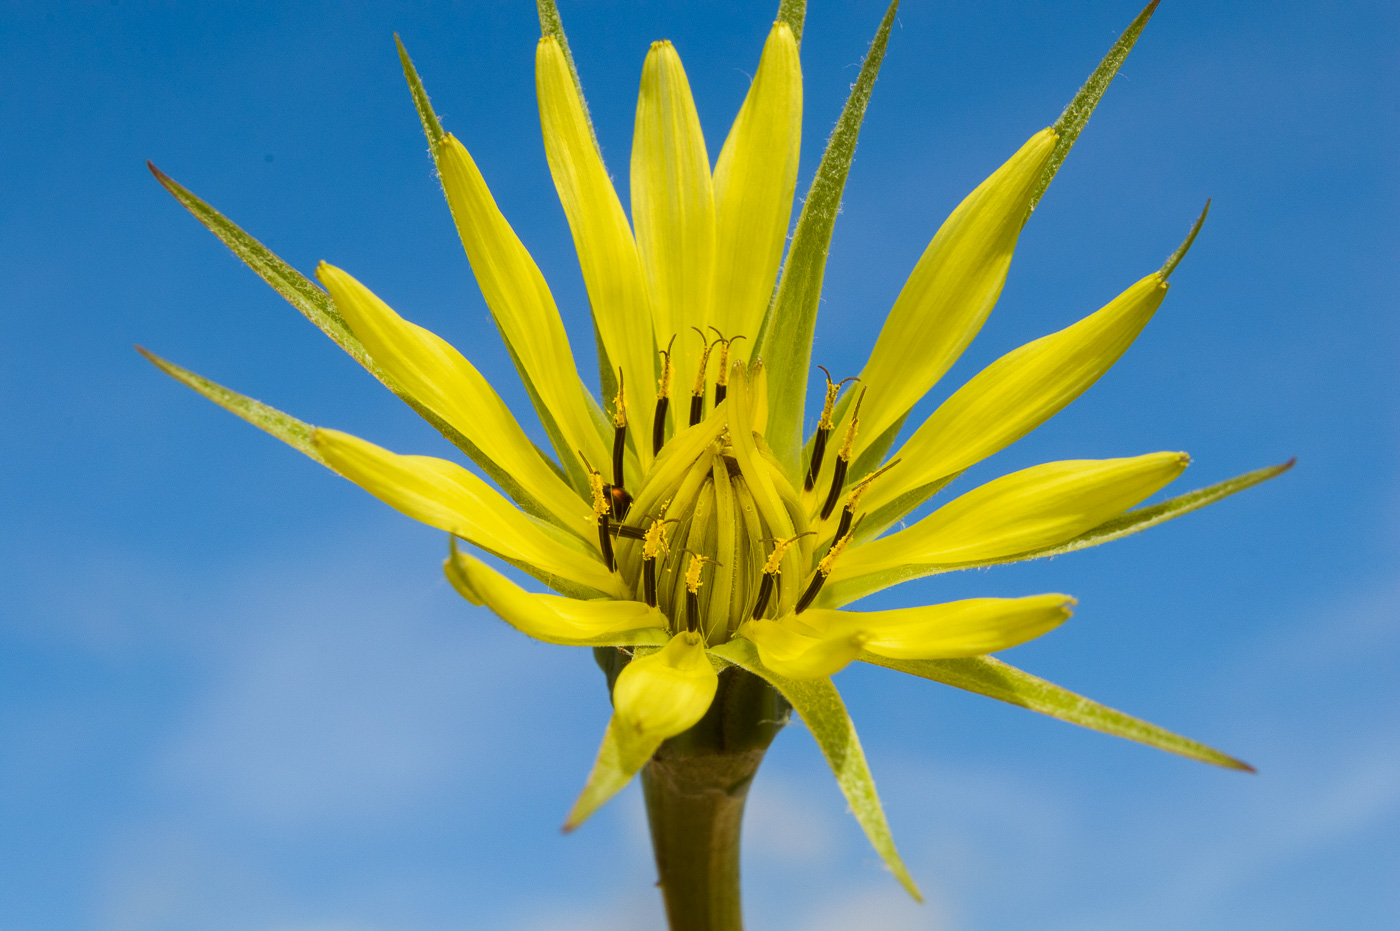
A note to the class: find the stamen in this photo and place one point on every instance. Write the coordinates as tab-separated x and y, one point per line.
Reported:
824	428
722	379
653	545
601	509
823	570
619	432
692	589
843	461
663	399
697	393
771	568
848	512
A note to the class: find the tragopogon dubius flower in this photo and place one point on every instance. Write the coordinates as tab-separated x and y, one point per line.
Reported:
685	519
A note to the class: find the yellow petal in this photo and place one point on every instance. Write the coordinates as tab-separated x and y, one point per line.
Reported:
447	496
1018	392
951	290
943	631
523	309
1031	508
607	254
673	206
553	618
754	182
662	694
436	375
803	654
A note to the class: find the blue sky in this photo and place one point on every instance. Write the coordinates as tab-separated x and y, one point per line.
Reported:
236	693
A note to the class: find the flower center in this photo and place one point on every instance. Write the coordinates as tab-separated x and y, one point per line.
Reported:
716	533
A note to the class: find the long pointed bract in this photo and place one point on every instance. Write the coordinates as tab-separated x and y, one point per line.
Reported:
995	679
1072	120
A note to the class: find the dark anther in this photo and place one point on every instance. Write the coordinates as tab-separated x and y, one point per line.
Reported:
697	393
843	461
649	580
619	433
810	593
765	591
848	511
838	482
824	428
663	400
722	378
601	509
605	541
692	610
823	570
623	530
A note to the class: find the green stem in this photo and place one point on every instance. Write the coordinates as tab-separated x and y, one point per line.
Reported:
695	788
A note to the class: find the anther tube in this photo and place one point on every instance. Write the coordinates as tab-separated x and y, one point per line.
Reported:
697	408
765	591
605	541
813	587
658	425
838	482
649	580
818	453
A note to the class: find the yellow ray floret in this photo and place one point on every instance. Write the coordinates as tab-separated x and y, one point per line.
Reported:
791	648
673	203
441	379
952	288
1034	507
553	618
973	627
523	308
447	496
1020	391
755	178
607	254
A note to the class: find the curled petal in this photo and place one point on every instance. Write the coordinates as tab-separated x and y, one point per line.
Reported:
660	695
552	618
791	649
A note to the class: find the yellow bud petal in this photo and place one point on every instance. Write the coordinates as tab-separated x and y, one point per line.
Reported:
662	694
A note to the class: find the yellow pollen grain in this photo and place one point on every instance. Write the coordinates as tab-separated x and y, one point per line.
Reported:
619	404
692	572
663	384
699	389
600	497
829	560
654	543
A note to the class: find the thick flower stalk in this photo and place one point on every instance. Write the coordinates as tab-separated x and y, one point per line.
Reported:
693	535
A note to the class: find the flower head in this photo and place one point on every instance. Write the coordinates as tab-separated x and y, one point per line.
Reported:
685	517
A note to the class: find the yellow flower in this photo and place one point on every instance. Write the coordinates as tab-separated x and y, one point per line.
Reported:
686	519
